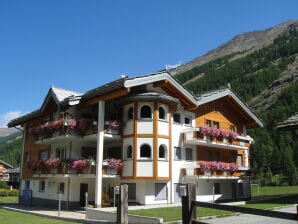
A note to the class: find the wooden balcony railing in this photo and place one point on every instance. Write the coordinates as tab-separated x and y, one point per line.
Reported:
199	138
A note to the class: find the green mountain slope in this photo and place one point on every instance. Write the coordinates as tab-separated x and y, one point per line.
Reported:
267	80
10	148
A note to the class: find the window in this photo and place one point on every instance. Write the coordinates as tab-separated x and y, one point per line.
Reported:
27	184
27	157
160	191
129	152
60	153
60	189
188	154
162	152
216	188
240	189
130	113
213	156
145	152
132	191
208	123
239	160
161	113
146	112
232	128
177	155
215	124
177	118
43	155
88	152
41	186
187	120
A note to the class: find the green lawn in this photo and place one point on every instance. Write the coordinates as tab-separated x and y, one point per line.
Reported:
274	190
174	213
13	217
9	199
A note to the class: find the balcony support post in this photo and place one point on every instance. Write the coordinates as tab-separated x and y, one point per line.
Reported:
99	153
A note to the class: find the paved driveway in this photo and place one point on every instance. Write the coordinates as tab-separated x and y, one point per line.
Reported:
247	219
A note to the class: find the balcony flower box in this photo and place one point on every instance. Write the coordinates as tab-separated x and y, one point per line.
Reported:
114	164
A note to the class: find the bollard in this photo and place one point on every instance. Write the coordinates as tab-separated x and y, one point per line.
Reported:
117	194
124	204
59	204
183	191
86	200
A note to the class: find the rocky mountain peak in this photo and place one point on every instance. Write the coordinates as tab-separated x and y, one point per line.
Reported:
246	42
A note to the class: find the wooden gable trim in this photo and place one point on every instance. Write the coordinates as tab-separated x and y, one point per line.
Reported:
173	91
106	96
249	121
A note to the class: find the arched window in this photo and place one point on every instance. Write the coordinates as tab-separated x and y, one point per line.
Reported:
146	112
162	152
130	113
129	152
161	113
145	152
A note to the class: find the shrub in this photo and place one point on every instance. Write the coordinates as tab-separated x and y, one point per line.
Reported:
3	185
6	192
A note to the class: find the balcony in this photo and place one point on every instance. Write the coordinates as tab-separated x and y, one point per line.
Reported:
213	170
218	139
70	128
80	167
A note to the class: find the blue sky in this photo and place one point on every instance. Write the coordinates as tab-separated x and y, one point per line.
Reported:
79	45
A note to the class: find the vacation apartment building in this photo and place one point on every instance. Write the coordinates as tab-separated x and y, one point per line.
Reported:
148	132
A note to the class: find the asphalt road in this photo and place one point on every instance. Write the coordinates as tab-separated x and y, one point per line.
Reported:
247	219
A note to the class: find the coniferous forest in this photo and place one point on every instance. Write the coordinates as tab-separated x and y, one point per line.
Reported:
274	156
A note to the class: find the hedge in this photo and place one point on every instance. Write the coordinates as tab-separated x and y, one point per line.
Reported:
6	193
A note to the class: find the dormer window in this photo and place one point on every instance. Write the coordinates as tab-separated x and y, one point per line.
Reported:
146	112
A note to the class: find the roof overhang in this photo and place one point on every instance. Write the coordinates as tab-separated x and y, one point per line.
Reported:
170	85
212	96
289	124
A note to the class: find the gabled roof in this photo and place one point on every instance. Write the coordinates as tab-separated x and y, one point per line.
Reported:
60	96
13	170
161	79
6	164
217	94
290	124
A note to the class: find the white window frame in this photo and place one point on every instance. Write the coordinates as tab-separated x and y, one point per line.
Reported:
140	114
42	186
191	150
175	155
165	152
146	158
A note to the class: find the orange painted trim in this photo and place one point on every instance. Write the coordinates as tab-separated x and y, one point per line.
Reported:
155	141
135	131
170	145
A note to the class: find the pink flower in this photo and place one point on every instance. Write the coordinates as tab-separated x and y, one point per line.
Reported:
114	124
52	162
115	164
71	123
232	135
80	164
224	133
